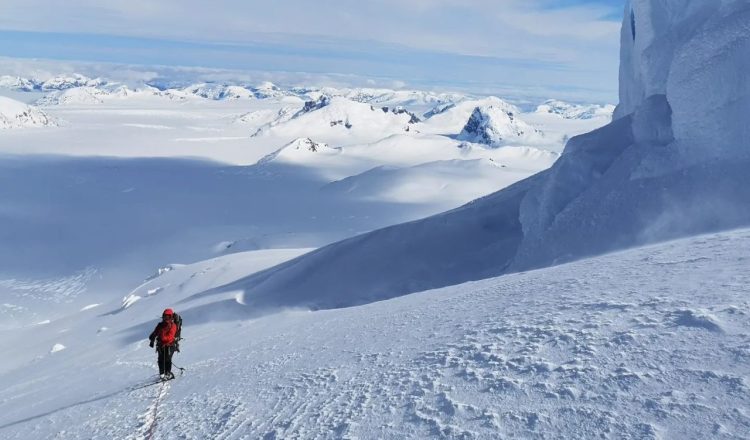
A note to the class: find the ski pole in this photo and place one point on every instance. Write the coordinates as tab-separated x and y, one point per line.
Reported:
182	370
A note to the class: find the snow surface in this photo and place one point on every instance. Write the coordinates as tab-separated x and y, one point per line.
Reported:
647	343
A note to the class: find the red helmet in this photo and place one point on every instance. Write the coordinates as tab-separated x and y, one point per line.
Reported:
167	312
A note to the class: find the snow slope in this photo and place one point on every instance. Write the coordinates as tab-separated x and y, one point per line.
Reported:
647	343
15	114
439	182
402	151
642	178
74	229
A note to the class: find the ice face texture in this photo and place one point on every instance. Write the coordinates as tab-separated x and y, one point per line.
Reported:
697	54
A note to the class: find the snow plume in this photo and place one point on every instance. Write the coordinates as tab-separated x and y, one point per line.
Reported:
708	208
673	163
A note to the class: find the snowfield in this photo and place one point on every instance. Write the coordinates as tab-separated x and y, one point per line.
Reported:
647	343
138	177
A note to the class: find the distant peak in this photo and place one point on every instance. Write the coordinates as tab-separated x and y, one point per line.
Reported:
306	144
567	110
298	150
495	125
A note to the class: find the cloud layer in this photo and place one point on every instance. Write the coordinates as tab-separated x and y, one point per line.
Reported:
570	43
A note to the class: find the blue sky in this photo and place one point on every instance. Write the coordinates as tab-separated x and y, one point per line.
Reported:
562	48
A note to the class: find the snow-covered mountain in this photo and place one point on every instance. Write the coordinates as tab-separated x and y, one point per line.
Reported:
267	89
69	82
228	91
266	117
77	95
302	150
17	83
451	118
337	119
111	93
61	82
492	125
406	98
219	91
575	111
441	108
15	114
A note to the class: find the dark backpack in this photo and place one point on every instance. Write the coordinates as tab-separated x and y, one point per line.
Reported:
177	319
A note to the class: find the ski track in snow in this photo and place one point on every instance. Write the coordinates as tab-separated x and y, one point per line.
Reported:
621	346
151	417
